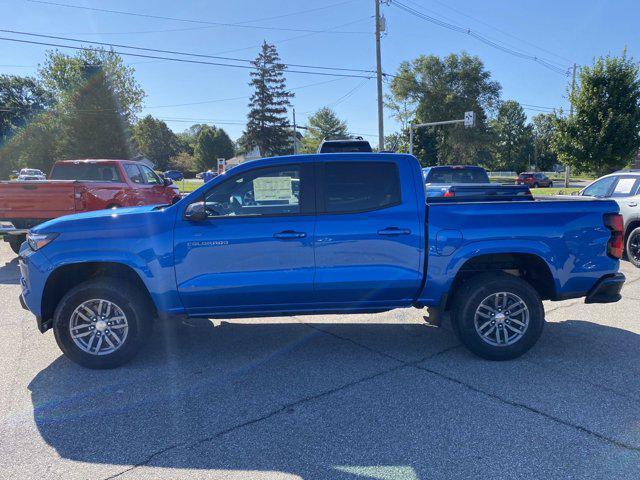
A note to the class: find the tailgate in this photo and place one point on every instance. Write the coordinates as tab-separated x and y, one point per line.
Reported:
37	199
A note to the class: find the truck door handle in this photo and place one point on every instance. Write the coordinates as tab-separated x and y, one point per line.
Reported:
633	204
394	231
289	234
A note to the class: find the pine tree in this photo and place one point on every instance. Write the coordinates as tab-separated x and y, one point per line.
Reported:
323	124
267	125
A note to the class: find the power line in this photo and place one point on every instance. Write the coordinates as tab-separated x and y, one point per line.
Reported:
182	60
196	21
460	12
175	52
245	96
487	41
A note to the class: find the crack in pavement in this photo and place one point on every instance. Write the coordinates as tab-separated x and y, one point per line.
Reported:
402	364
495	396
282	409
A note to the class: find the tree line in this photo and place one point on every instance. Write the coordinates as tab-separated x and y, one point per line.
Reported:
86	106
602	134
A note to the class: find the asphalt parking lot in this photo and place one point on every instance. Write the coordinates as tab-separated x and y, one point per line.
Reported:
332	397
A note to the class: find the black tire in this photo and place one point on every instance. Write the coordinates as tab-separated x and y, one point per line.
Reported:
535	185
468	300
128	298
15	242
550	184
632	247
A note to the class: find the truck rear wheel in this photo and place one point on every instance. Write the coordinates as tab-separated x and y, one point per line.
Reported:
498	316
102	323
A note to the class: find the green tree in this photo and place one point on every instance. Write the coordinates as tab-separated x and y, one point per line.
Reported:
544	157
155	141
443	89
604	133
513	137
23	121
267	126
212	143
322	124
97	98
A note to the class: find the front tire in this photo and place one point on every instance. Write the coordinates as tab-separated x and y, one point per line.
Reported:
535	185
633	247
550	184
498	316
102	323
15	242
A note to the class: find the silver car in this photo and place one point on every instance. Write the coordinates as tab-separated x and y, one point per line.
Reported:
624	188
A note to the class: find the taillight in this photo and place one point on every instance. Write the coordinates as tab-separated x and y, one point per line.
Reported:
449	193
615	245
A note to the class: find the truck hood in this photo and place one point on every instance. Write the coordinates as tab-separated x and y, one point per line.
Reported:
93	219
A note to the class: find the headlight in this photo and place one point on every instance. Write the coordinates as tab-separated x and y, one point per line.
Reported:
38	240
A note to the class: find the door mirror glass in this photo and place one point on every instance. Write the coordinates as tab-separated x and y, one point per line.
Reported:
196	212
167	181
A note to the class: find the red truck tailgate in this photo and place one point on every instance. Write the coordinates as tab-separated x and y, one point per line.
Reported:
38	199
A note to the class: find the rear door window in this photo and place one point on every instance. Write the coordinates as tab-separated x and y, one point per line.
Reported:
351	187
626	186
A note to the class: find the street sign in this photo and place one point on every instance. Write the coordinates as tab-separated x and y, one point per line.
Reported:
469	119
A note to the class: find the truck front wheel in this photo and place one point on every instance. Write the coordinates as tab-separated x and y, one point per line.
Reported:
498	316
102	323
15	242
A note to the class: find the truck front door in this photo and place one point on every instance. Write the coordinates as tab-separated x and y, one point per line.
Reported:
254	251
368	235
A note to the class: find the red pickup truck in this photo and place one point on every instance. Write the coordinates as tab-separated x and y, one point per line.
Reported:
79	186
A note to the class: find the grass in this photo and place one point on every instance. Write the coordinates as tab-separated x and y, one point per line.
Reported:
554	191
189	185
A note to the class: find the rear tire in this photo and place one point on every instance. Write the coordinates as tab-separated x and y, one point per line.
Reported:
632	247
102	323
498	316
550	184
535	185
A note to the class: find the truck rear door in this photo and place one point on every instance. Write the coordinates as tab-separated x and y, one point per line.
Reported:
368	233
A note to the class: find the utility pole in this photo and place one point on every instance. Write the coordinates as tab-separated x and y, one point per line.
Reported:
295	136
379	79
573	86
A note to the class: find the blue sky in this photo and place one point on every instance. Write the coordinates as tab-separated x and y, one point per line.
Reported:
564	31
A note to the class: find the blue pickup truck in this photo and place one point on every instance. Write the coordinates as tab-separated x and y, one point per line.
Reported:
340	233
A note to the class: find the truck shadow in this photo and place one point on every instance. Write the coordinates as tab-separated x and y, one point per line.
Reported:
289	397
10	273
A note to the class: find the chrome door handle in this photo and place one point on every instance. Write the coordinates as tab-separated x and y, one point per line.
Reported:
632	204
289	234
394	231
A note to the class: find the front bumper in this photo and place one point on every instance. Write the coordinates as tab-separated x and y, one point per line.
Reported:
607	289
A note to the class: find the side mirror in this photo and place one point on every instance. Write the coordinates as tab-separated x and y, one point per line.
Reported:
196	212
167	181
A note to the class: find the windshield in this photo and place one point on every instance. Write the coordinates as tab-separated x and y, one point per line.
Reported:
450	175
89	172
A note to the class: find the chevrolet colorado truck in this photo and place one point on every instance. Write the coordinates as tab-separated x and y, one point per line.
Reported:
339	233
79	186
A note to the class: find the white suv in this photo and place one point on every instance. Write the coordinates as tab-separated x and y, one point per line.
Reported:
624	188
